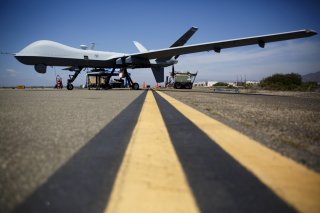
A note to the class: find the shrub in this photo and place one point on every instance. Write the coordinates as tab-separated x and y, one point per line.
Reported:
290	81
286	82
221	84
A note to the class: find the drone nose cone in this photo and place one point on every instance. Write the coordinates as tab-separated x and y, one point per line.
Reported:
24	52
20	53
22	59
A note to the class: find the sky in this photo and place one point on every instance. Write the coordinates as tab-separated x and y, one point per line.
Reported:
113	25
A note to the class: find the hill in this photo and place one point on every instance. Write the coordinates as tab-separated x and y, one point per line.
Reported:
314	77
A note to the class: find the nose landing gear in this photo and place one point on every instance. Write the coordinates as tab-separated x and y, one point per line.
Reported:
72	78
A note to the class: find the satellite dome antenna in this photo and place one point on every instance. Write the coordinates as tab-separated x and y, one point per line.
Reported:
83	46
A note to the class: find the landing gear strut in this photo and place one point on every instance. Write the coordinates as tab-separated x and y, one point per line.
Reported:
108	79
134	86
72	78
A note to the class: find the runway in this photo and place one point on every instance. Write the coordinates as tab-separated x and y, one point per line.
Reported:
138	151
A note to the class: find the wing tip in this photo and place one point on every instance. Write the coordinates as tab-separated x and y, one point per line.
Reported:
311	32
194	28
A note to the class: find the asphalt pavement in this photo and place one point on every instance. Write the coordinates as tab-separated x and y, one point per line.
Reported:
287	122
41	130
136	151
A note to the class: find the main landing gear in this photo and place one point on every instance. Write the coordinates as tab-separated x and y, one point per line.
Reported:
72	78
132	85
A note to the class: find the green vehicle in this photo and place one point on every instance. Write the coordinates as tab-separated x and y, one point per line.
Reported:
181	80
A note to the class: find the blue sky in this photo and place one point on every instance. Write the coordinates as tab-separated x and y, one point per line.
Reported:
113	25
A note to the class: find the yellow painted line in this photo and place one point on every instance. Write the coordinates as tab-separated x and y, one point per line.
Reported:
292	182
151	178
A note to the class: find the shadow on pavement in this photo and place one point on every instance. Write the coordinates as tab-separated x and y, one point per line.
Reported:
84	183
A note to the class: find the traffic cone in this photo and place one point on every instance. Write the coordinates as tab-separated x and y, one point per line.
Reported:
144	85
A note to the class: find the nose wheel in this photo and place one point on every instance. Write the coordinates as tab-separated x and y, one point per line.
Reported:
73	77
70	86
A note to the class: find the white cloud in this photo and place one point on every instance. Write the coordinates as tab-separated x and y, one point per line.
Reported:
11	72
289	48
254	62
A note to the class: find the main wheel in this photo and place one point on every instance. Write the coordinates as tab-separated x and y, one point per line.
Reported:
135	86
69	86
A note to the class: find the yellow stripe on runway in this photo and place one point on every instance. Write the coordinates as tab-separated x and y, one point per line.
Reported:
151	178
294	183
